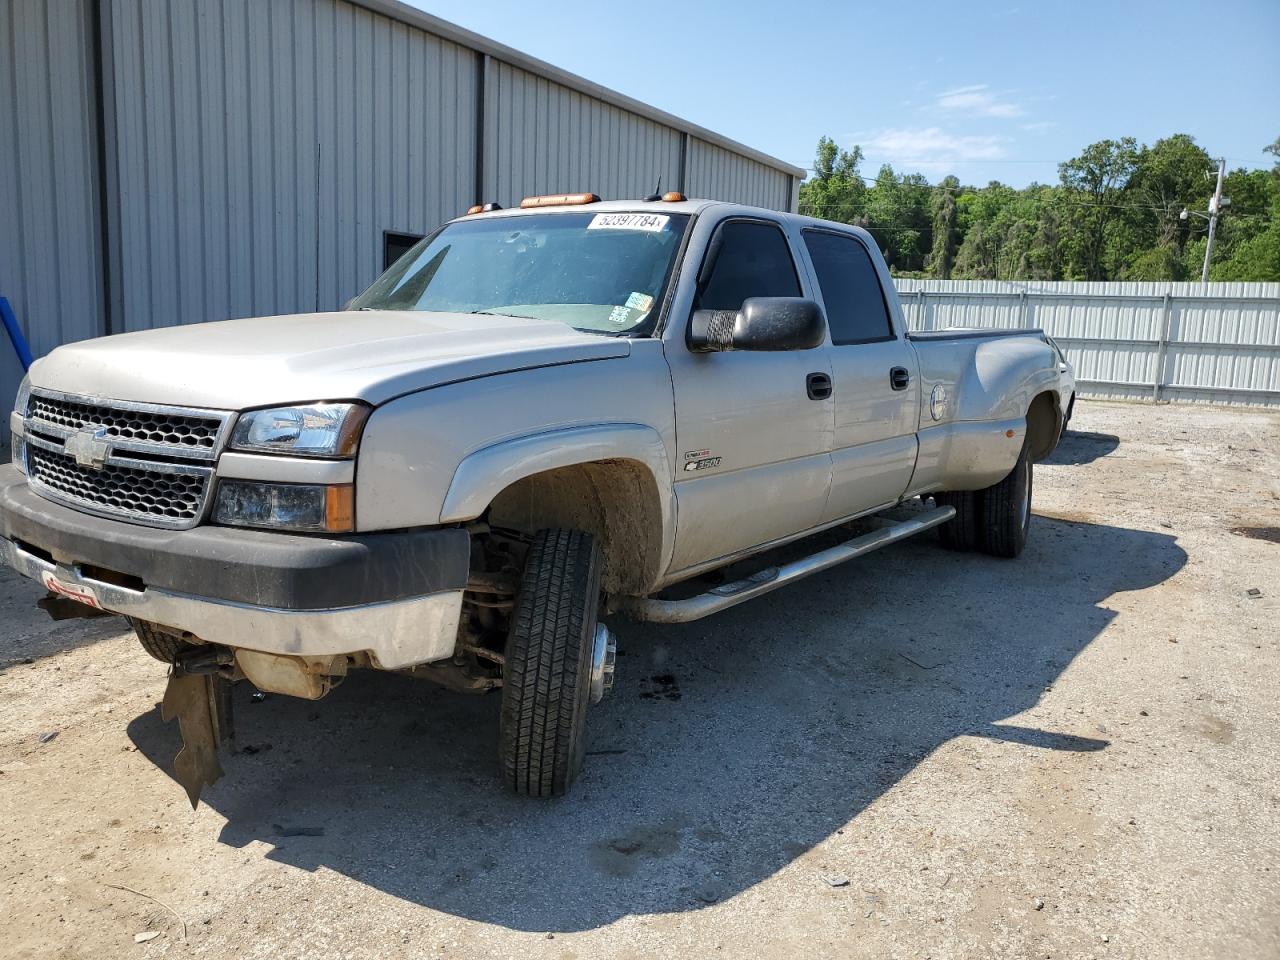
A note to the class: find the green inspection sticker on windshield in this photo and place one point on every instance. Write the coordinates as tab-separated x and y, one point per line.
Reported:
650	222
640	301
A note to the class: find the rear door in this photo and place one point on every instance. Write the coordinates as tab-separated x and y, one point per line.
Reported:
874	378
753	463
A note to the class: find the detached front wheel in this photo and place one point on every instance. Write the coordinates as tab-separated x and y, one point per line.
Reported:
547	676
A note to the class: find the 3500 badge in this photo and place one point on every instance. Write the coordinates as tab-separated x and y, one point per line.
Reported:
705	464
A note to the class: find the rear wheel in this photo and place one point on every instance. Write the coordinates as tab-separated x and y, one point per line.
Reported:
1006	511
546	678
961	531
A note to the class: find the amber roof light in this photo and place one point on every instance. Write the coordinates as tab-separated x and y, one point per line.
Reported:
673	197
559	200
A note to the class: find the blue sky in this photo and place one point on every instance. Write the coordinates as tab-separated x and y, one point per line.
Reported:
1000	90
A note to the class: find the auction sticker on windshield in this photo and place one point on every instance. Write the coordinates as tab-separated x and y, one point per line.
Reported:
651	222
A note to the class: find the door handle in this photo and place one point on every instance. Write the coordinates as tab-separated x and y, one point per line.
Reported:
899	378
818	386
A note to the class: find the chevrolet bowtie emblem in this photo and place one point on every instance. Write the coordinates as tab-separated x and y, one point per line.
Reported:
89	446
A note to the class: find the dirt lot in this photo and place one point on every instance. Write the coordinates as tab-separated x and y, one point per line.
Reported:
1070	755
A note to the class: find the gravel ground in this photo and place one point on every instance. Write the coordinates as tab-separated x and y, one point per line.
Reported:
922	754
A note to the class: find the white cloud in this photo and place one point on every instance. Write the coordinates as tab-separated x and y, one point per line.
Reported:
1039	126
977	100
930	147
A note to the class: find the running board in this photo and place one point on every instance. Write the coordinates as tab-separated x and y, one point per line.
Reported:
765	581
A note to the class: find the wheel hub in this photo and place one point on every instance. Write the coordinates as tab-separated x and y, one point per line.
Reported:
603	655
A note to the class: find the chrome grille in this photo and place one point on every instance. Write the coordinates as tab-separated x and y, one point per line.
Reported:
142	426
173	498
137	462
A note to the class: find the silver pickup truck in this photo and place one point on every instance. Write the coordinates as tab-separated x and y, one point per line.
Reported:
536	418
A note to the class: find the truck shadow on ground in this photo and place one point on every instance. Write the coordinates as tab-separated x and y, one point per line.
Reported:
1078	447
728	748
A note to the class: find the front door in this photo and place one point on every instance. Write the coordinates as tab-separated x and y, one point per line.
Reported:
875	379
753	462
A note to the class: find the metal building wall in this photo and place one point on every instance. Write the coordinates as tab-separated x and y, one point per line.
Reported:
543	137
264	147
176	161
718	174
1177	341
50	230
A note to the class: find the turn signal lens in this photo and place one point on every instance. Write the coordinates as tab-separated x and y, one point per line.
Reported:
340	508
559	200
311	508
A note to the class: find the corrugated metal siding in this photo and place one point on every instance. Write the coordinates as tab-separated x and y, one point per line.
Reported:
50	263
254	152
541	137
265	147
718	174
1217	343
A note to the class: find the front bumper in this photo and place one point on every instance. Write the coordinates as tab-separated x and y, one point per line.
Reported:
396	596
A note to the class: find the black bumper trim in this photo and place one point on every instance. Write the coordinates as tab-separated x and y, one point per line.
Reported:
242	566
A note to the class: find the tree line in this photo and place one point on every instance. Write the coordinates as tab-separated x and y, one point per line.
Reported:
1114	214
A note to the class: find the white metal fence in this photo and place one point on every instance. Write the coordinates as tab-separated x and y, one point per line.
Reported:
1216	342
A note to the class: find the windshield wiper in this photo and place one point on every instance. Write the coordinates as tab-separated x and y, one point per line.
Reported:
499	313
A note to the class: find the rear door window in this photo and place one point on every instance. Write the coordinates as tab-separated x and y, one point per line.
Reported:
856	310
753	261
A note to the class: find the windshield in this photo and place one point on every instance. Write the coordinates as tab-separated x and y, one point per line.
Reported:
599	272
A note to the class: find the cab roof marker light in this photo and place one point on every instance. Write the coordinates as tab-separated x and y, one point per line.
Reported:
482	208
559	200
673	197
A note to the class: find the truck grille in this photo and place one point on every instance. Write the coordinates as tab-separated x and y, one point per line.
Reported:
176	430
137	462
174	498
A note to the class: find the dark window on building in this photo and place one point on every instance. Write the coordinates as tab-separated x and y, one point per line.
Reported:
396	245
753	261
856	311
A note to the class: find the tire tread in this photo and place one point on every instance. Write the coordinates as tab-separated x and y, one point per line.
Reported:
544	693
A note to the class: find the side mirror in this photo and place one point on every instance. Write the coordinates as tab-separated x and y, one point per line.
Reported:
763	323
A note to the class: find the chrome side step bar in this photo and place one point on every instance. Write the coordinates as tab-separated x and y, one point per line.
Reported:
731	594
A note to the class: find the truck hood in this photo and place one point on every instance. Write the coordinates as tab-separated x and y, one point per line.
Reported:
260	361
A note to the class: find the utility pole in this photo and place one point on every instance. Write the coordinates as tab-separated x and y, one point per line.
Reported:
1215	207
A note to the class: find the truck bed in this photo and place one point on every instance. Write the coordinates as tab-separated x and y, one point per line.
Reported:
970	333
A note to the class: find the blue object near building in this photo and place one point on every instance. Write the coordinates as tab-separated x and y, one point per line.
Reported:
15	334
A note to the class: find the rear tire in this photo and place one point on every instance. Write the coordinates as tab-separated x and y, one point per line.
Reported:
961	531
546	679
160	645
1006	511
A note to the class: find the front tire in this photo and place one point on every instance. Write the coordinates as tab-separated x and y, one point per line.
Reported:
162	646
1006	511
546	678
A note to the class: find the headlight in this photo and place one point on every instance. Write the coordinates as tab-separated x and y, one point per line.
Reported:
307	430
24	396
18	444
18	452
286	506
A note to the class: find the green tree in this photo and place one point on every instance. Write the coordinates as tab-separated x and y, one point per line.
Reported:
1168	178
836	190
942	256
897	213
1096	181
1115	214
